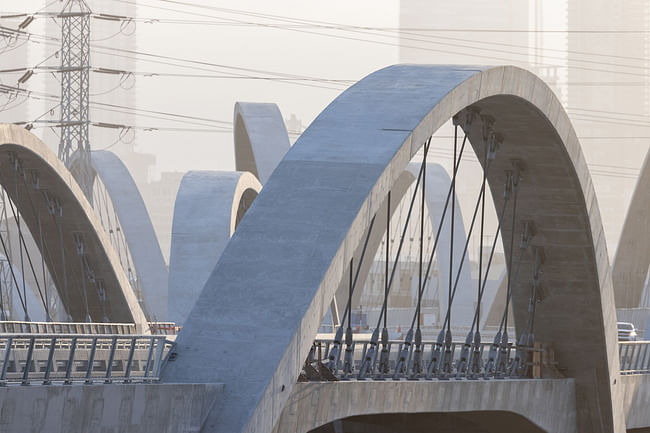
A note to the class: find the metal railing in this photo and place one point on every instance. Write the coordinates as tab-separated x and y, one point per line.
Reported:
513	364
88	358
164	328
19	327
634	357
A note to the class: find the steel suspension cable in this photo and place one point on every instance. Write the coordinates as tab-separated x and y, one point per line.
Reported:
483	281
334	352
84	294
451	235
515	187
456	166
481	199
422	204
356	275
401	242
43	249
480	248
369	358
386	264
57	220
402	362
21	241
20	247
13	275
442	217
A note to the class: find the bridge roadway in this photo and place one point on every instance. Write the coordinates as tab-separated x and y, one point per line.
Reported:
521	405
129	397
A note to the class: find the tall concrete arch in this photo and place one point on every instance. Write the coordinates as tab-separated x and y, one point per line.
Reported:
138	231
209	206
49	186
273	283
632	258
261	139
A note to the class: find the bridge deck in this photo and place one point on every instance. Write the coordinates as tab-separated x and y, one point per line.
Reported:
547	403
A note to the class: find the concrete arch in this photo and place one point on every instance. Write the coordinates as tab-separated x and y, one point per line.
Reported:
209	206
138	231
293	248
632	258
43	169
261	138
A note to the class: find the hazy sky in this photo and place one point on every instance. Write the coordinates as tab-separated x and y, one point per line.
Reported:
234	44
238	35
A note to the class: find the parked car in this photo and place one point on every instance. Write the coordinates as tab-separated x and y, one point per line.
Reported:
626	331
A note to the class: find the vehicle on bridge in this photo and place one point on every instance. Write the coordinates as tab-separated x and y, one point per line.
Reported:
626	331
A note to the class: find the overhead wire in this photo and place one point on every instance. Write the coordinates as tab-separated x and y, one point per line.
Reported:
361	30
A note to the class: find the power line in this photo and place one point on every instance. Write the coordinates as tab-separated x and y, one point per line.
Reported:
400	32
365	30
398	45
156	114
300	80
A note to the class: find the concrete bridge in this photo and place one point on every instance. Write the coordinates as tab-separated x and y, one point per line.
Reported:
247	358
299	236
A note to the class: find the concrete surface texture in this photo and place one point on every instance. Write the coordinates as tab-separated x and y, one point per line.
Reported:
261	138
142	408
636	400
138	231
42	167
254	322
547	403
632	259
208	207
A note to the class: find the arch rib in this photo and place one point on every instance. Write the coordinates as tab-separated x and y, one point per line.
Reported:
270	289
138	231
208	207
261	139
48	181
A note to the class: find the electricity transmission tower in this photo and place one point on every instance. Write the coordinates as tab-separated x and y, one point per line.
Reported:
75	90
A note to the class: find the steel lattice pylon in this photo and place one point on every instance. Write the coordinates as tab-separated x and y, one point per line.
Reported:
75	85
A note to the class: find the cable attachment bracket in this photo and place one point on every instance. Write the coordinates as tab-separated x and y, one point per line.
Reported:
494	141
465	118
36	179
529	232
79	242
487	125
53	205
